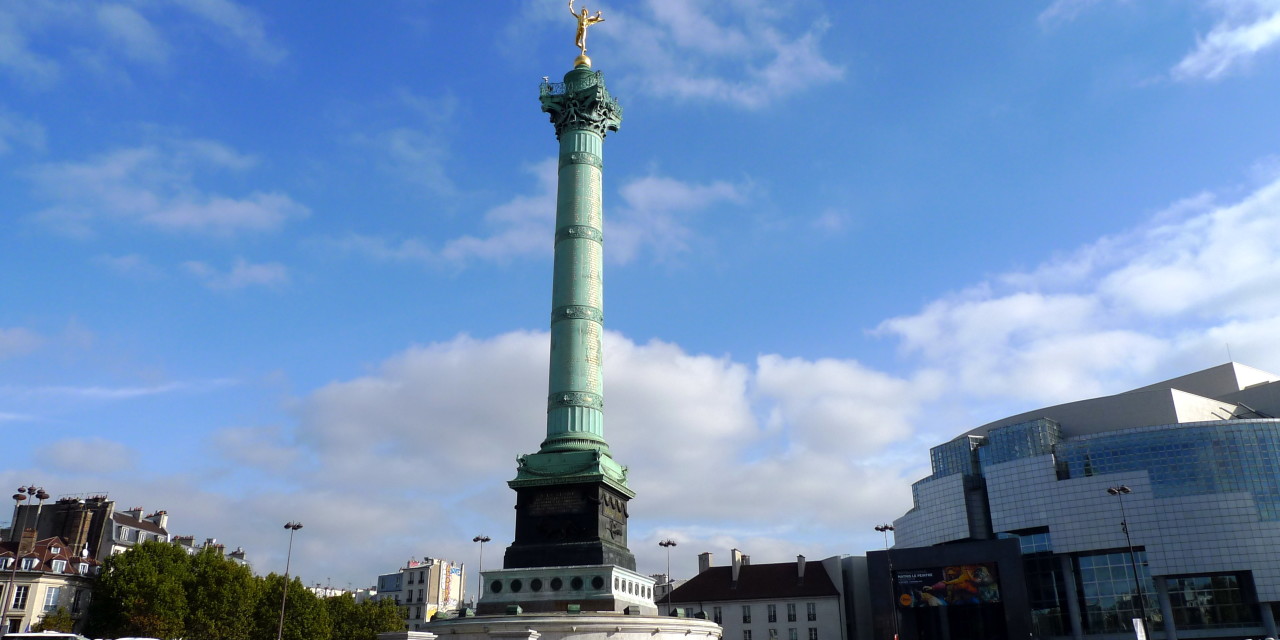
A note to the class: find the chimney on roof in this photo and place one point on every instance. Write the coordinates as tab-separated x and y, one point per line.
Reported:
704	561
135	513
238	554
160	519
800	569
746	559
736	556
25	544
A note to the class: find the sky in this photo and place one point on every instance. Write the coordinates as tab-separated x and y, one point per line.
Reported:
291	261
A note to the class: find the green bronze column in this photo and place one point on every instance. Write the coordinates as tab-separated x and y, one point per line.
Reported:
571	505
582	112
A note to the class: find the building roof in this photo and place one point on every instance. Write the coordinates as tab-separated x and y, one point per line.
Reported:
756	582
45	551
143	524
1227	391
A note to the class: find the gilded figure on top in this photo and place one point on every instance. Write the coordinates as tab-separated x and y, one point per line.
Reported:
584	21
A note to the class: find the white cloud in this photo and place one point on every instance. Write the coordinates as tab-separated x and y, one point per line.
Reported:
18	341
115	393
1245	29
240	27
133	32
654	214
241	274
742	52
416	148
105	31
524	226
155	185
16	130
1110	313
132	265
86	456
680	420
1064	11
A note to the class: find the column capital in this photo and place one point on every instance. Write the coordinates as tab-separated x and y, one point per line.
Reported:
581	102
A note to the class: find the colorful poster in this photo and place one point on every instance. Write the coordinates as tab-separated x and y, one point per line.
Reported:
947	586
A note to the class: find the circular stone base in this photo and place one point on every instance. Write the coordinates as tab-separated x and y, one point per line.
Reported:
572	626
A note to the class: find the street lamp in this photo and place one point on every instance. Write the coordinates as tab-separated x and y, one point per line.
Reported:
284	595
668	543
1120	492
13	573
479	579
893	606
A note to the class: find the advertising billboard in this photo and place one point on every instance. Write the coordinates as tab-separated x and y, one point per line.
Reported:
947	586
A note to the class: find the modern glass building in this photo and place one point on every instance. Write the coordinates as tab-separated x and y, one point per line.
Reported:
1161	502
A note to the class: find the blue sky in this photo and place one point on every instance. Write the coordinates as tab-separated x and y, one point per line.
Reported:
291	261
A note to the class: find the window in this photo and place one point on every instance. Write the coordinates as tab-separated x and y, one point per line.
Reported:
773	634
715	614
791	613
746	634
29	563
792	634
773	613
51	596
813	633
811	610
59	566
5	562
20	596
76	601
746	614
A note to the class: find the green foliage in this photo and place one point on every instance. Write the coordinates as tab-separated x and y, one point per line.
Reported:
221	595
59	620
362	621
159	590
306	617
141	593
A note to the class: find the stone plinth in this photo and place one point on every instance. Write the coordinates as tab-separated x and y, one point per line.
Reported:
600	588
571	626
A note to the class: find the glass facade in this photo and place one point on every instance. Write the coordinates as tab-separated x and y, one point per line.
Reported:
1108	592
1209	602
1198	459
1022	440
1192	459
958	456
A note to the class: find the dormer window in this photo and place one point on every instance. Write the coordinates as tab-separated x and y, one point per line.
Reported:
84	568
55	550
5	562
59	566
29	563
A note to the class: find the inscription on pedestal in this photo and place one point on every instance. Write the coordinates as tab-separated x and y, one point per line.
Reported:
553	503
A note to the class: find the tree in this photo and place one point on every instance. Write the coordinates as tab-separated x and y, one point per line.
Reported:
362	621
141	592
221	598
306	617
59	620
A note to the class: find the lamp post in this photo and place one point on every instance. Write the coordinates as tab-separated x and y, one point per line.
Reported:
480	580
13	572
893	606
1120	493
668	543
284	593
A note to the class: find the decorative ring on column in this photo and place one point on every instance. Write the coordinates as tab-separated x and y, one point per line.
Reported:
577	312
581	157
575	399
576	231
